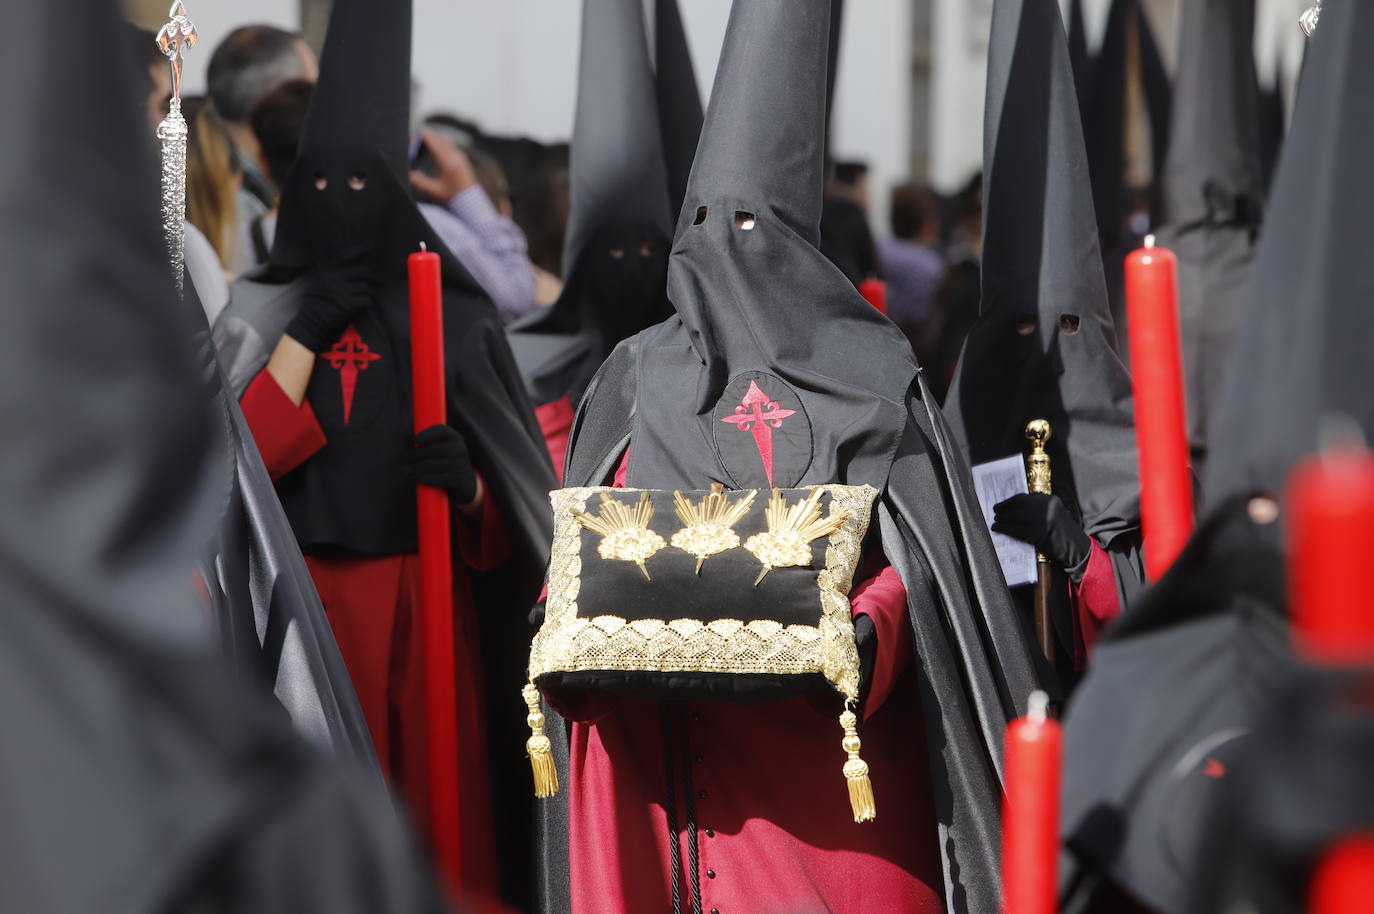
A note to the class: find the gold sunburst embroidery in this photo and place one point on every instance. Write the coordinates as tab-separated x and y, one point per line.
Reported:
625	533
709	523
787	542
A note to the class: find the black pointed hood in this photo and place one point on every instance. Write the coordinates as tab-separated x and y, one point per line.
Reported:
615	258
1214	190
763	140
362	97
1104	122
1214	171
1303	350
679	99
1159	102
617	170
1079	58
358	128
1042	278
755	298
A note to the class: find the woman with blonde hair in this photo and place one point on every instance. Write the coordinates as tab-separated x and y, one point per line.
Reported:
213	177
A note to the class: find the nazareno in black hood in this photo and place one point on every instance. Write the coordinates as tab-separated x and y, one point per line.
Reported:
1044	346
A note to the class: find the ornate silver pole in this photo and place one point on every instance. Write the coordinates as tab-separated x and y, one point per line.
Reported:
176	36
1309	19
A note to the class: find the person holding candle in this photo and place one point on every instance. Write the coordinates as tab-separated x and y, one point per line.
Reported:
615	261
763	825
318	344
1160	721
1043	346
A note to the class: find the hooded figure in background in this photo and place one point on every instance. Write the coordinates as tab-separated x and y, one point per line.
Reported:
615	263
1214	195
1044	345
679	99
318	344
135	776
1103	116
760	308
1178	685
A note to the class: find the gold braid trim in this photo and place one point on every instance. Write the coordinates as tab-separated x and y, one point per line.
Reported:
568	643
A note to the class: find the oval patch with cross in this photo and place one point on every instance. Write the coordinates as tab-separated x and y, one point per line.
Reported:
762	432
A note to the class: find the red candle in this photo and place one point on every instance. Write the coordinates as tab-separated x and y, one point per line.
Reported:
1166	485
1030	812
1344	880
1330	526
436	571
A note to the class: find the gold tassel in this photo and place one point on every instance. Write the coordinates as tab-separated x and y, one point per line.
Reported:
539	748
856	771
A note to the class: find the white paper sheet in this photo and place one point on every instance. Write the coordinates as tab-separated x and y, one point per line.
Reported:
995	482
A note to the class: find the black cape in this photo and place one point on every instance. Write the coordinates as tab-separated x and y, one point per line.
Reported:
1214	195
758	304
615	263
136	777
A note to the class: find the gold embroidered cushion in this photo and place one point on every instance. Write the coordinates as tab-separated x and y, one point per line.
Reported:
739	595
705	594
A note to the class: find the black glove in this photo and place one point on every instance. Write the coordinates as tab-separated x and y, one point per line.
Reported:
339	292
866	639
441	459
1044	522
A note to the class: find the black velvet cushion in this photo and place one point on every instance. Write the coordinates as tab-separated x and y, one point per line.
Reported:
644	599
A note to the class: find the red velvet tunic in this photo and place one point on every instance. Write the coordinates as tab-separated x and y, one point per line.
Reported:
556	421
775	832
1096	603
373	607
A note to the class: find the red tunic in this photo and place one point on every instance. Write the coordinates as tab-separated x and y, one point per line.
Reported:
373	607
556	421
773	823
1095	601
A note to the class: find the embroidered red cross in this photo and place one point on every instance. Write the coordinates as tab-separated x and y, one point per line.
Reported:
760	415
349	356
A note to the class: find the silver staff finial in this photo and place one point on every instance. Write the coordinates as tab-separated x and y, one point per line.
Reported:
1308	20
174	38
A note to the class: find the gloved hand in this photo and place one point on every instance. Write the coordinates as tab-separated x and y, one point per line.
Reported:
440	459
341	290
1045	523
866	639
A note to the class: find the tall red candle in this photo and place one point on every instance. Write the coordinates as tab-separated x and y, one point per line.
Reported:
1166	486
436	571
1330	509
1342	882
1030	812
